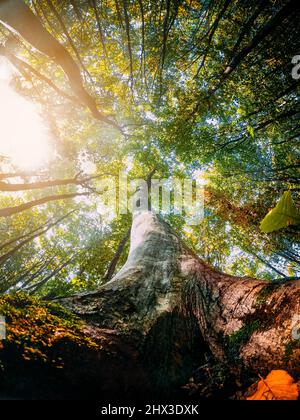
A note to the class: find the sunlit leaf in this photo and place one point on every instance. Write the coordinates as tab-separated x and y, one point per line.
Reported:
250	130
282	215
278	385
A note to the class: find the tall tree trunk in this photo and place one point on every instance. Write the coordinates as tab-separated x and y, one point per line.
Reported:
168	310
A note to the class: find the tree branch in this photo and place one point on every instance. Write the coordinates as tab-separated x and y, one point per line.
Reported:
9	211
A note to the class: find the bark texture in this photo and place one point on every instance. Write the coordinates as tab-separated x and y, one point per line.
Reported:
175	310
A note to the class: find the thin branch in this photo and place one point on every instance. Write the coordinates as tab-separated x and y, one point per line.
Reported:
11	253
100	30
113	264
267	29
127	25
4	186
23	65
9	211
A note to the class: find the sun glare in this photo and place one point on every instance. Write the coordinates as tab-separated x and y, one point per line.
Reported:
23	136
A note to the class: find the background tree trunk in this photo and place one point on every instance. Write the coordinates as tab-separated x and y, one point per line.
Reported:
177	312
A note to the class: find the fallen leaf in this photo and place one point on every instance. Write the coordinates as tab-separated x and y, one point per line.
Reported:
278	385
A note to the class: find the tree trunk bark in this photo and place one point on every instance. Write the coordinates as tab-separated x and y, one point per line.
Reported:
173	312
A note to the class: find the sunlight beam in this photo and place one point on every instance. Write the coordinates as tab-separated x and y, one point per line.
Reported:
23	136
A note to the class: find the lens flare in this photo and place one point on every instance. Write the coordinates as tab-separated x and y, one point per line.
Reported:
23	136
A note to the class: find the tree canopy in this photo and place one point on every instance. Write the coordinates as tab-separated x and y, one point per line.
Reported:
170	88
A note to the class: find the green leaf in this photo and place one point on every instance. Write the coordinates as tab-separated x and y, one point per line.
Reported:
282	215
250	130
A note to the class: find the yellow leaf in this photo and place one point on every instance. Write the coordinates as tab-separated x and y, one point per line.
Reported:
278	385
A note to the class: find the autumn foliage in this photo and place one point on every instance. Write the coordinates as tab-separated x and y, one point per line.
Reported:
278	385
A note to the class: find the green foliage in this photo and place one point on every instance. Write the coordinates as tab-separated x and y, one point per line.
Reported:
240	337
265	292
282	215
179	112
290	347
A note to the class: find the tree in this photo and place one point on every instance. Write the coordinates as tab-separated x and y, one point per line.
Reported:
168	311
177	89
19	16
